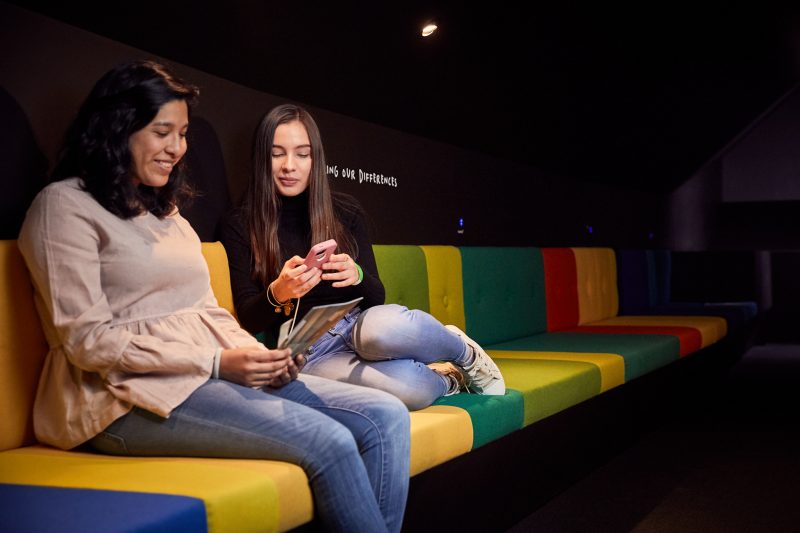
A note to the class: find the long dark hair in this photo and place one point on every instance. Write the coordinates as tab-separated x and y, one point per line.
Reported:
122	102
262	202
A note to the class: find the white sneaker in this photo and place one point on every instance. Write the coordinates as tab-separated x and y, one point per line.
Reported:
484	376
455	378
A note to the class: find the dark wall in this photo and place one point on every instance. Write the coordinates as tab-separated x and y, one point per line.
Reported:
416	190
21	162
764	164
747	197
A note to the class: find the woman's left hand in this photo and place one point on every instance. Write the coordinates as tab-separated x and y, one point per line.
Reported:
341	269
294	367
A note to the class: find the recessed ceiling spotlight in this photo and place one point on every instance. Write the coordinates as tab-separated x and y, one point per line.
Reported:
429	29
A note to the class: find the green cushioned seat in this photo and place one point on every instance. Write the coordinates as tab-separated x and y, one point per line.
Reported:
404	275
550	386
642	353
504	294
492	416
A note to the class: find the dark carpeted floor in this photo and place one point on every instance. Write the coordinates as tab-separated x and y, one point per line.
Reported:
726	460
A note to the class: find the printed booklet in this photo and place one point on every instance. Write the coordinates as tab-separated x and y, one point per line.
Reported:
312	326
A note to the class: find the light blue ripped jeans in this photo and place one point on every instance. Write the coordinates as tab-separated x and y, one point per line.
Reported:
387	347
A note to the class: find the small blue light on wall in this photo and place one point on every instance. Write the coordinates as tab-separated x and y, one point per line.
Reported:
650	236
590	229
460	225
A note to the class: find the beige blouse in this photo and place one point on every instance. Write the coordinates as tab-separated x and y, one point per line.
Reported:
127	309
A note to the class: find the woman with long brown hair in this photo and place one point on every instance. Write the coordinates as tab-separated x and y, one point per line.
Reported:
289	207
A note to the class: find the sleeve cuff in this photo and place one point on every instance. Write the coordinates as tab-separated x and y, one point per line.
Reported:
215	368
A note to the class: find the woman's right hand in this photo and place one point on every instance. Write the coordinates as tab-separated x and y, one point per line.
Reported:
295	280
253	366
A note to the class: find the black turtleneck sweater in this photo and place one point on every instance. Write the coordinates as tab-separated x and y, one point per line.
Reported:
294	234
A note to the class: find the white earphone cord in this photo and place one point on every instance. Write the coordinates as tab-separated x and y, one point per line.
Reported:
294	318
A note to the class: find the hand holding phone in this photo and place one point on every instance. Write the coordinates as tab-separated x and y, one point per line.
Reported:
319	254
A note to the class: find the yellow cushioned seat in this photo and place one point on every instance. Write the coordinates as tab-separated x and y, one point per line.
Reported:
220	273
598	300
596	270
22	349
445	284
549	386
611	366
438	433
711	328
239	495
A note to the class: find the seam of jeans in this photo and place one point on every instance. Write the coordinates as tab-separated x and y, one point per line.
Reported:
115	439
242	431
381	497
345	340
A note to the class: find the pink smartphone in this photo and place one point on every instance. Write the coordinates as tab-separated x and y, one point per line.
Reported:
319	253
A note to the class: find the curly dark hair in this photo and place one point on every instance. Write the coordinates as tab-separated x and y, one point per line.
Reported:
122	102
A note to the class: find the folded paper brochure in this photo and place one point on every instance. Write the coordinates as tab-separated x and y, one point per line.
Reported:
312	326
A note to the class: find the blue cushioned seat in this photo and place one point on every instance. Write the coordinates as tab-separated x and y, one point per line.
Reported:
37	509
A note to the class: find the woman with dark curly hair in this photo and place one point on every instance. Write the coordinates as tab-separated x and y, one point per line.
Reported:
142	360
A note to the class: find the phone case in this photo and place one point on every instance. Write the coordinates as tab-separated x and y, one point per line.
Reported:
319	253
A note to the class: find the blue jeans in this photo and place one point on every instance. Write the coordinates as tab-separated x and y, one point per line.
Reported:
352	442
387	347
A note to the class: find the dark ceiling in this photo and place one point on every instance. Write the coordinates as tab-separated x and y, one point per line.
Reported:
638	95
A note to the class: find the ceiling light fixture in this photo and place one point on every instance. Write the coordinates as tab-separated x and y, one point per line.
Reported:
429	29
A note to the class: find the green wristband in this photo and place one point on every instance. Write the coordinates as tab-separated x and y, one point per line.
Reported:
360	274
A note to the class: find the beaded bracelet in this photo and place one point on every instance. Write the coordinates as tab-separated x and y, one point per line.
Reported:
286	307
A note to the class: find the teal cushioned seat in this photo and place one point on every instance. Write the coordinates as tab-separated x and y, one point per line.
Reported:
404	274
642	353
504	296
492	416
